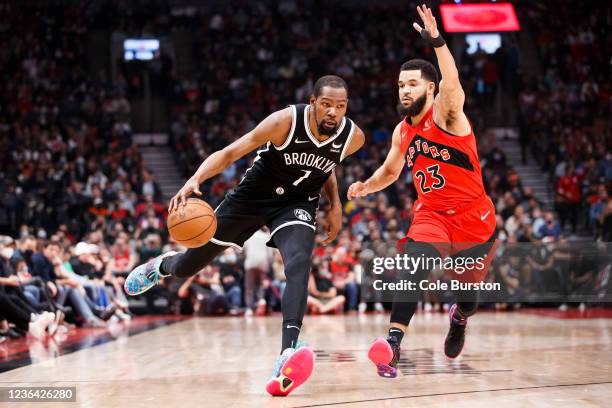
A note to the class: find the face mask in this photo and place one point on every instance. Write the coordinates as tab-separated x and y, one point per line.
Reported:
7	252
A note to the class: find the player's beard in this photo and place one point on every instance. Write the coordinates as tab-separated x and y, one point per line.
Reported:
323	131
414	109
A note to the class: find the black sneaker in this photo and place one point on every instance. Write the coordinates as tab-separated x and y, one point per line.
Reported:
385	355
455	339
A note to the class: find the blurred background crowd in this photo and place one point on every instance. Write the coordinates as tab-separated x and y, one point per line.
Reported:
80	206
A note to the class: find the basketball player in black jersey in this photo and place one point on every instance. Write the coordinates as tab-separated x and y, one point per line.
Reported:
301	146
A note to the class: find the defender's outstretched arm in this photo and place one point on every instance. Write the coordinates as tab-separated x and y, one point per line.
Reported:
448	107
386	174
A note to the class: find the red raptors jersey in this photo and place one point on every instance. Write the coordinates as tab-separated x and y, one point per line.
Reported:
445	168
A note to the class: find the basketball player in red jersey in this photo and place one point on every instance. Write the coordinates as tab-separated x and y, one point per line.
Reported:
452	216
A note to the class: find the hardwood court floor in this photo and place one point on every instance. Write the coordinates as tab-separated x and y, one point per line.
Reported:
510	360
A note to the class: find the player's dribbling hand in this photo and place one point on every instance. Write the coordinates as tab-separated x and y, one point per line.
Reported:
334	222
191	186
357	189
429	21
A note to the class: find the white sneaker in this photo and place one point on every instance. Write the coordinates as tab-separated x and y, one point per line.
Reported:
362	307
563	307
379	307
57	318
427	308
38	325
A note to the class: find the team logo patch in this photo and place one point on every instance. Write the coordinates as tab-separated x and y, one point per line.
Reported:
302	214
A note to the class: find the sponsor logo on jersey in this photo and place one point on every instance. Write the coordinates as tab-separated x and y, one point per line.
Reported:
336	146
309	160
280	191
302	215
301	141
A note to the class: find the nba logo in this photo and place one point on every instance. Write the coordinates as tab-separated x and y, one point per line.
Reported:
302	215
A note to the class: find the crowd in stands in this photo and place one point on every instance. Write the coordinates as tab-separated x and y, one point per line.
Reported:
565	112
80	208
68	173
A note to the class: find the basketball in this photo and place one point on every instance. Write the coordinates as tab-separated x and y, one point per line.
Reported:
194	224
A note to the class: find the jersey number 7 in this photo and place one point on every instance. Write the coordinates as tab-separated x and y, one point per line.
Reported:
306	174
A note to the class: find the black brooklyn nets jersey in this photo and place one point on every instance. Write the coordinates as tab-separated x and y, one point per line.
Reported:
298	169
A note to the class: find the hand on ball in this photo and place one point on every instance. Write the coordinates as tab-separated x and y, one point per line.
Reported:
191	186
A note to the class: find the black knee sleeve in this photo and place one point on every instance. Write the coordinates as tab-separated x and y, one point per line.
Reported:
295	244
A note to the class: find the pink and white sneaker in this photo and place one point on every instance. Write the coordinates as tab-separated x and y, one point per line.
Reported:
292	368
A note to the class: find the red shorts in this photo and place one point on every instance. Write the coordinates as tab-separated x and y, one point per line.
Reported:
466	231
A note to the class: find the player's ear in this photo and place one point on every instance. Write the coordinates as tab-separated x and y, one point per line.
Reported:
431	88
312	100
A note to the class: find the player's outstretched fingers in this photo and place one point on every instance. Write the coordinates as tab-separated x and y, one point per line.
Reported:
175	203
171	204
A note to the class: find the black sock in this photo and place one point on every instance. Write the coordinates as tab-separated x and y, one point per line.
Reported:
291	332
162	271
395	335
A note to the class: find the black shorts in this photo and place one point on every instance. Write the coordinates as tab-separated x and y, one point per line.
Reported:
238	220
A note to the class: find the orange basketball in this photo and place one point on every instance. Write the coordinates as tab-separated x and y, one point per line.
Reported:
194	224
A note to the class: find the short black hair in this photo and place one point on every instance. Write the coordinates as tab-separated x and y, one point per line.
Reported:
428	71
48	244
329	80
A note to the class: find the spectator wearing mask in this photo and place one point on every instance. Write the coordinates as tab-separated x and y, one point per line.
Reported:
551	228
151	248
